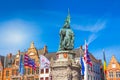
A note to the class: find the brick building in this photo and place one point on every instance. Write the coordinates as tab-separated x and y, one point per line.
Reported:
9	65
113	69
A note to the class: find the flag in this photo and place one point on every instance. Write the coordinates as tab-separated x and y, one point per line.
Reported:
44	62
21	65
104	62
82	66
29	62
87	56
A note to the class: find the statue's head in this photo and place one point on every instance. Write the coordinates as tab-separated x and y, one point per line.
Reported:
67	21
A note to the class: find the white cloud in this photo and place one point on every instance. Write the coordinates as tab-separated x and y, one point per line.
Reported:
91	38
94	29
98	26
16	34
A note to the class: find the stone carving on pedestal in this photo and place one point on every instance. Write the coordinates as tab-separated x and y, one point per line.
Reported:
64	67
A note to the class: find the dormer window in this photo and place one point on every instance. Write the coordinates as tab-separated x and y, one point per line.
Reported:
113	65
31	54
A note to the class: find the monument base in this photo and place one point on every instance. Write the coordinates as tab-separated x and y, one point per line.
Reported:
64	67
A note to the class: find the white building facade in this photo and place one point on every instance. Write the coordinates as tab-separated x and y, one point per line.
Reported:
91	72
45	74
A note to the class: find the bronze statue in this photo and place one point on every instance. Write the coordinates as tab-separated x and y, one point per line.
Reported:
66	36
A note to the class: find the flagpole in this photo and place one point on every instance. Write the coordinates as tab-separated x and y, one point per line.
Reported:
23	66
86	66
22	76
104	66
39	67
82	76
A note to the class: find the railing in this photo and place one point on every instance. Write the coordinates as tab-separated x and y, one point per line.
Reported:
59	63
64	63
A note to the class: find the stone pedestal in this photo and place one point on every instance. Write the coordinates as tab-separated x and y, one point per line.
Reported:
64	67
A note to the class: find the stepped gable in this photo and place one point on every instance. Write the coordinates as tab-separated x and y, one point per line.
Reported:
9	60
113	60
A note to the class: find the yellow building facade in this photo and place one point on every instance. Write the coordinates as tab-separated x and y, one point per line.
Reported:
113	69
10	70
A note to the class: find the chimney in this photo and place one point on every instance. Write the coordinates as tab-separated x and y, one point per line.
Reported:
81	47
9	55
45	49
18	52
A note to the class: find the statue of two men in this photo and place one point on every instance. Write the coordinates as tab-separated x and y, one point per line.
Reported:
66	38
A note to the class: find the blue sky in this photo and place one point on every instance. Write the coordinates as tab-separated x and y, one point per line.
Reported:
24	21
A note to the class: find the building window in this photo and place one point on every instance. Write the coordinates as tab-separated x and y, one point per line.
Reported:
111	74
13	72
91	77
29	78
98	70
47	70
41	78
28	71
46	78
89	67
50	77
7	73
88	77
32	78
93	68
42	71
37	70
15	79
33	71
36	78
117	74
